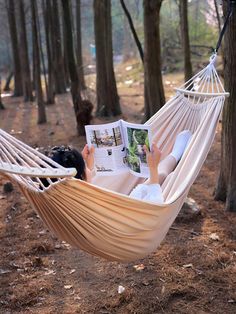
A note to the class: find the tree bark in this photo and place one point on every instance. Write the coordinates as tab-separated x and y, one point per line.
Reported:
226	185
58	62
25	66
153	90
131	24
1	104
47	25
75	90
183	12
79	46
18	90
8	82
107	96
38	85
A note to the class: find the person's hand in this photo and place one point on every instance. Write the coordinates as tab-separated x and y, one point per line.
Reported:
88	155
153	157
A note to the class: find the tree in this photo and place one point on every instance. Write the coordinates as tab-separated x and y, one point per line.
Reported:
107	97
154	91
38	84
46	5
183	12
79	46
82	108
137	41
18	91
25	66
1	104
226	185
58	62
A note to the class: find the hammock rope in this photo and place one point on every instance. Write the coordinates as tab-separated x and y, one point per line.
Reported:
101	218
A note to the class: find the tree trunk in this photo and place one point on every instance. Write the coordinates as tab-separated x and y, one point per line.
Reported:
183	12
75	90
226	186
1	104
38	85
47	24
8	82
79	46
107	96
58	62
154	91
18	90
137	41
25	67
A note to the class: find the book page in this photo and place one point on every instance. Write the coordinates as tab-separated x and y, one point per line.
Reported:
135	137
109	156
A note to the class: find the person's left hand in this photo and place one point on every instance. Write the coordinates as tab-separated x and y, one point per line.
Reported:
88	155
153	156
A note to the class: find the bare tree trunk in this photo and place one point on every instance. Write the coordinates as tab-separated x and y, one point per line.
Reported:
137	41
154	91
226	186
25	67
18	90
60	85
183	12
39	91
1	104
47	24
79	46
107	96
82	108
8	82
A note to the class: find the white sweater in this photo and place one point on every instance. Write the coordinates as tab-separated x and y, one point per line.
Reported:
148	192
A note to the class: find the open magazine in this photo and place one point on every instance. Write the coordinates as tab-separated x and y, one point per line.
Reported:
119	147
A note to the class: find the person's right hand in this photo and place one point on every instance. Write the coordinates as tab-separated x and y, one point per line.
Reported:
88	155
153	157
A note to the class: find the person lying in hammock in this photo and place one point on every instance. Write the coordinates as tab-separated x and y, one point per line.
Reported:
159	170
150	190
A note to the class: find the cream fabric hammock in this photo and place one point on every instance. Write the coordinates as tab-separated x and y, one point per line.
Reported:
100	218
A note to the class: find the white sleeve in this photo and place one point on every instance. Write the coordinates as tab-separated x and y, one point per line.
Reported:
148	192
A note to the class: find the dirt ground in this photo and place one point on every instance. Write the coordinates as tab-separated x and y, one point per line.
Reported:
193	271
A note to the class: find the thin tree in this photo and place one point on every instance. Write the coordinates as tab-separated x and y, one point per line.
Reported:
25	66
38	84
58	62
82	108
226	185
1	104
79	46
107	96
8	82
46	5
132	28
154	91
18	90
183	13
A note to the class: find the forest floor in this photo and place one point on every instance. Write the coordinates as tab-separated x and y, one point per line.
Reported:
193	271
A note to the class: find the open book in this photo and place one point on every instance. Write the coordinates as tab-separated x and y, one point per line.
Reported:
119	147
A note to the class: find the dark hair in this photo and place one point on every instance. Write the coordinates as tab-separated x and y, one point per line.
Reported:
69	158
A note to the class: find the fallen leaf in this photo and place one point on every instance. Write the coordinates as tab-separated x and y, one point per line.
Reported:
4	271
67	287
50	272
188	266
139	267
214	236
72	271
163	289
121	289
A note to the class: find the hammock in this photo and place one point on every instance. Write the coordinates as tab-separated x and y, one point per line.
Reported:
101	218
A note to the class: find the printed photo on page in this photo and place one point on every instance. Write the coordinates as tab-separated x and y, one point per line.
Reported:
109	147
136	137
